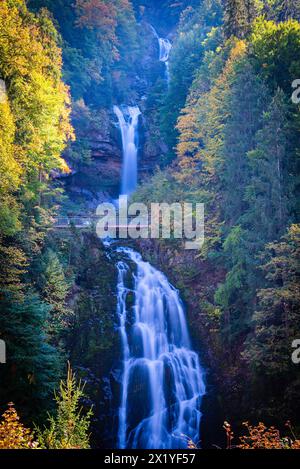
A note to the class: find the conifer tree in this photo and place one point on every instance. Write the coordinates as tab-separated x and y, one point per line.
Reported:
54	287
276	320
238	16
267	193
33	366
246	102
69	428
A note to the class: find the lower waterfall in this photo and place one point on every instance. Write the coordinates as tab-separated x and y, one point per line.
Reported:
128	118
162	380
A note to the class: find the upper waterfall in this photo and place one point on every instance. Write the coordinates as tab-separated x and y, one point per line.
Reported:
165	47
128	118
162	382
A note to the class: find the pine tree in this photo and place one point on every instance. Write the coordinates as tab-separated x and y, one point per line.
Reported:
282	10
246	102
276	320
267	193
33	366
69	427
238	16
268	349
54	287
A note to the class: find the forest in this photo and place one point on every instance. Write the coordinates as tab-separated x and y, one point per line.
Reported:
143	344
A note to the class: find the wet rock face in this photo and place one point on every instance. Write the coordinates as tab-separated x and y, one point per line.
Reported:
95	183
150	66
92	339
103	137
96	178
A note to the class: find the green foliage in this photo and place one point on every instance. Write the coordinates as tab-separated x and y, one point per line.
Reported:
39	103
246	102
185	59
270	191
238	16
54	287
276	50
69	428
33	365
10	169
237	152
275	325
99	37
276	321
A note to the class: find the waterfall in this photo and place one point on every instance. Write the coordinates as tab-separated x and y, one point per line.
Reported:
165	47
128	119
164	51
162	382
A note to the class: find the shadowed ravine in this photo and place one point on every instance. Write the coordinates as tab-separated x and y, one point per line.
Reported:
162	381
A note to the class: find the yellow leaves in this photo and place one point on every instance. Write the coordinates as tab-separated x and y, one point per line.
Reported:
191	445
20	49
294	233
10	171
13	265
239	50
202	121
13	434
64	167
30	61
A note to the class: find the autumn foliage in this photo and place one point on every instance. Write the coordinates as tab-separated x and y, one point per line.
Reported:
261	437
96	14
13	434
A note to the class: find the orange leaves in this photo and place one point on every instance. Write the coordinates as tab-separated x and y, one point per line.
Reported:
97	14
262	437
103	16
13	434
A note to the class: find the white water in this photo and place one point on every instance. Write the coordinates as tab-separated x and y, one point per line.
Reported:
165	47
162	382
164	51
128	119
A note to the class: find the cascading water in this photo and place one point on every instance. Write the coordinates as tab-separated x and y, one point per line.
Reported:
164	51
165	47
128	119
162	382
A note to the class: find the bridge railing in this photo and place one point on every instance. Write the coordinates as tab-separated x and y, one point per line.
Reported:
64	222
82	222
